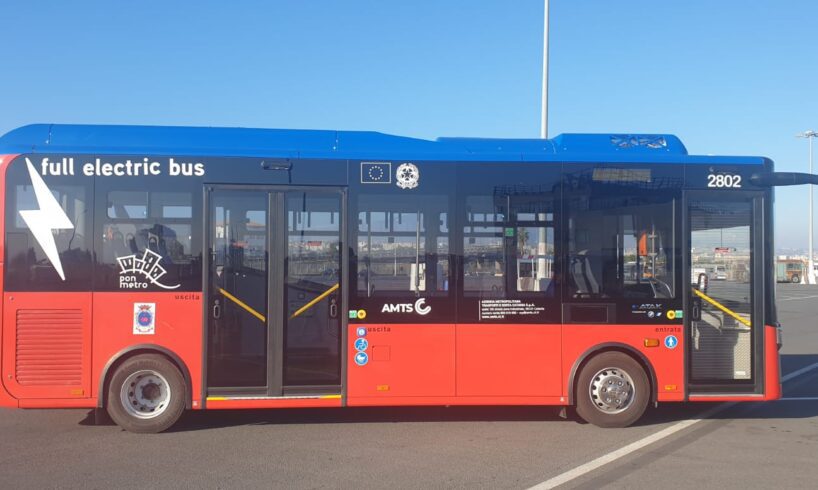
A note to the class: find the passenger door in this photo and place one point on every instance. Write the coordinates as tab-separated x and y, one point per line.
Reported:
725	324
274	290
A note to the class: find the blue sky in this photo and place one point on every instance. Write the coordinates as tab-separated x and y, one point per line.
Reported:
727	76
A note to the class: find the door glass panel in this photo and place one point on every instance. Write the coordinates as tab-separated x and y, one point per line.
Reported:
721	260
312	340
237	335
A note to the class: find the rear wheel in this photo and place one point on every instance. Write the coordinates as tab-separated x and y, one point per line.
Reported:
146	394
795	278
612	391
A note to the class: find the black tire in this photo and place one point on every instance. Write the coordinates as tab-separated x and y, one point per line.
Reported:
623	379
795	278
155	395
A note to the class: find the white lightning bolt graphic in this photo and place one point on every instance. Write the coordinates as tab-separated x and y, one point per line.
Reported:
49	217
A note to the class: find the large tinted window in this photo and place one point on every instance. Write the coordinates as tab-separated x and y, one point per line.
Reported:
48	227
403	244
508	243
509	216
149	232
621	234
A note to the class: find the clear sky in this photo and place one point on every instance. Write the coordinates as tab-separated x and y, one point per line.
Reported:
726	76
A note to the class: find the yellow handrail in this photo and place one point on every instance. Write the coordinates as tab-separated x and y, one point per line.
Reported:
314	301
722	307
243	305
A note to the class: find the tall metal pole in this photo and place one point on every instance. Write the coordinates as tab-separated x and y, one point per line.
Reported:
809	135
542	266
810	263
544	113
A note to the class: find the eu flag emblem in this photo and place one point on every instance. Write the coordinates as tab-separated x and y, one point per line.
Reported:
376	172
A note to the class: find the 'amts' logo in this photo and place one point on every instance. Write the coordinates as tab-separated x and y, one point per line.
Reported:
148	267
420	307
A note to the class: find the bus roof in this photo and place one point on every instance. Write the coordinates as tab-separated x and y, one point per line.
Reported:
328	144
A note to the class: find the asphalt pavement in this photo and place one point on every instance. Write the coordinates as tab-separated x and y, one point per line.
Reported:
749	445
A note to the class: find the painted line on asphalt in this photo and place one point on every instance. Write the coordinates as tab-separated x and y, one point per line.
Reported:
646	441
798	399
797	297
799	372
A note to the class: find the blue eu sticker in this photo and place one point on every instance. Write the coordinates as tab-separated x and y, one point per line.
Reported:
376	172
361	358
671	341
361	344
361	331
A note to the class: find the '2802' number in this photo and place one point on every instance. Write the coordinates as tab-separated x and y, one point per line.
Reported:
724	180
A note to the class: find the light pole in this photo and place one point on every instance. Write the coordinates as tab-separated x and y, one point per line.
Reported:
541	236
544	109
809	135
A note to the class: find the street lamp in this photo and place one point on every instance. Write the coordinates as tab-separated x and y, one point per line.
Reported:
544	108
809	135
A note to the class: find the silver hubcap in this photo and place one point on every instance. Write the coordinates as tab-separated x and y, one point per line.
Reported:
145	394
611	390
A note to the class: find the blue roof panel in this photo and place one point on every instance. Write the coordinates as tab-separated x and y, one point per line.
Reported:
204	141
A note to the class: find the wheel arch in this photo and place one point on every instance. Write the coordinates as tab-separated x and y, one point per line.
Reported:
136	350
611	347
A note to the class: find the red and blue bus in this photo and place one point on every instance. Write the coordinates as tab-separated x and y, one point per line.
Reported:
150	270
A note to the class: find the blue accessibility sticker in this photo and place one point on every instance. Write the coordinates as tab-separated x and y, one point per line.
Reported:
361	344
361	358
361	331
671	341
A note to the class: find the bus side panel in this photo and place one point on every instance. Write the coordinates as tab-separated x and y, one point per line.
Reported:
772	363
47	345
509	360
6	400
668	363
401	361
177	326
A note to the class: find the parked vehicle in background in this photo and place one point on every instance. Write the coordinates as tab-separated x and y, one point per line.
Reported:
789	270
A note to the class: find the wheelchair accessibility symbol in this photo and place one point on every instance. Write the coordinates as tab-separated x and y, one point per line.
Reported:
671	341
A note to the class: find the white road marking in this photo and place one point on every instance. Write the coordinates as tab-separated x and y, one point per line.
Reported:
799	372
791	298
799	399
646	441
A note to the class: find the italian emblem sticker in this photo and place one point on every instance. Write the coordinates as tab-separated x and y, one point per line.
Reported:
144	318
407	176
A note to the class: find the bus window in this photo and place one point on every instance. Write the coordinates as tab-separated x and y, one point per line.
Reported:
403	244
484	257
148	241
28	268
621	246
534	236
513	247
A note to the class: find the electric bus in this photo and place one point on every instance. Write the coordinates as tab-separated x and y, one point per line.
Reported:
151	270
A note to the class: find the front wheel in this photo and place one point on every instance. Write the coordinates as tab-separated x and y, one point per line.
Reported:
612	391
795	279
146	394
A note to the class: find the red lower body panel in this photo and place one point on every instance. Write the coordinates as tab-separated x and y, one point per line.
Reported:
47	346
178	329
667	363
493	364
